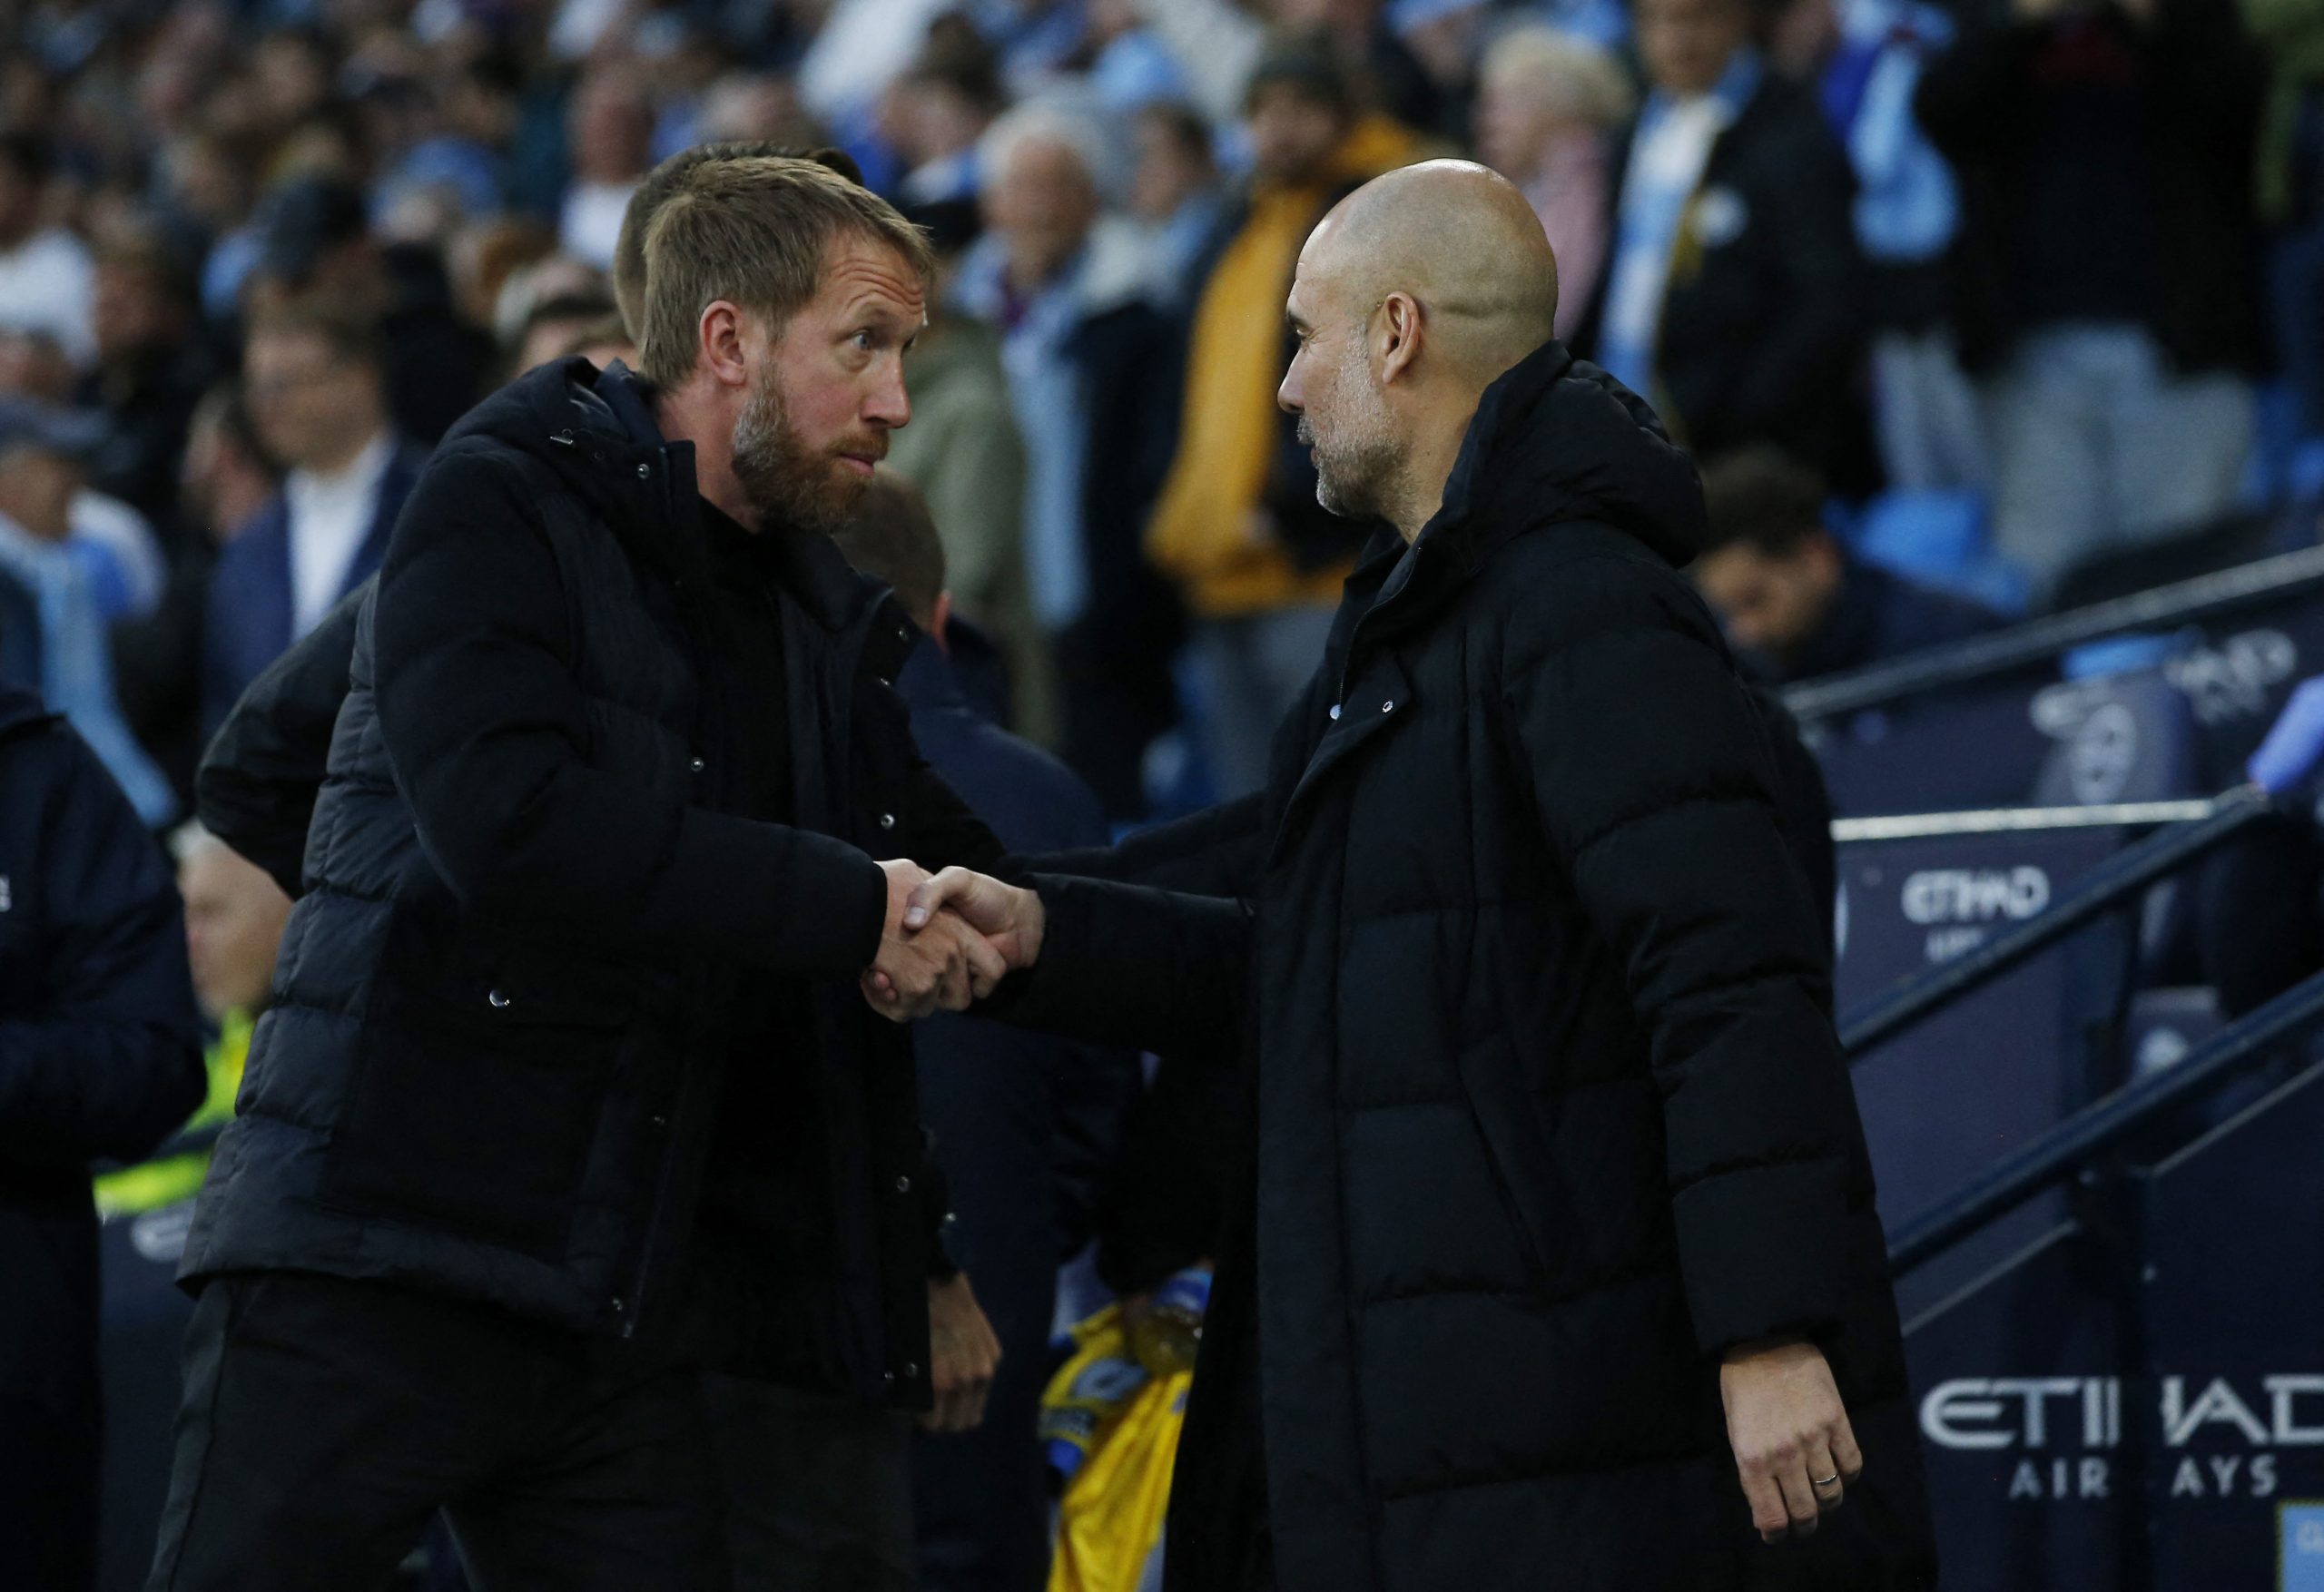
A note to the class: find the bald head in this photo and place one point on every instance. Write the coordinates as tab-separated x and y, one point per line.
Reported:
1413	296
1461	241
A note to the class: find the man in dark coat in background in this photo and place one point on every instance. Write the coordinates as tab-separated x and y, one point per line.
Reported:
1559	1221
100	1057
566	1093
1735	295
1025	1125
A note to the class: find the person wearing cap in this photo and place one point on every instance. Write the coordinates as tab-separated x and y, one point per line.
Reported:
77	584
313	382
1237	528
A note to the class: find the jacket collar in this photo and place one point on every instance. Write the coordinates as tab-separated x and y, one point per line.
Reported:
1554	439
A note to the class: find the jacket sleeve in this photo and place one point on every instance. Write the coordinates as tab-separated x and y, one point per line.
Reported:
1131	966
256	784
487	737
1218	851
1653	785
110	1061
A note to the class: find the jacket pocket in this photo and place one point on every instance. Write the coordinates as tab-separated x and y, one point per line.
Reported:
479	1102
1517	1155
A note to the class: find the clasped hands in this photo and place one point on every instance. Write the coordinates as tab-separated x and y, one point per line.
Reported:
949	940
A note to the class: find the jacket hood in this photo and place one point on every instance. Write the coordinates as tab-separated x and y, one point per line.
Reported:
595	429
1556	440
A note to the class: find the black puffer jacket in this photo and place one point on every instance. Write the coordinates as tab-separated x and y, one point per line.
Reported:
1550	1109
529	931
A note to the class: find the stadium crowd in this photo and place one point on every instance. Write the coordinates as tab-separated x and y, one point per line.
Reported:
1966	310
1992	280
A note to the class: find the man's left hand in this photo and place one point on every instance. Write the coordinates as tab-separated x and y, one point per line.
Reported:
962	1355
1793	1445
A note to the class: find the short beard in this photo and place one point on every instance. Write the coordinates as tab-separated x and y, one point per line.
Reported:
1356	471
791	486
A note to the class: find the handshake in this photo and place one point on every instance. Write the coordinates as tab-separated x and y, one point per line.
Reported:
950	939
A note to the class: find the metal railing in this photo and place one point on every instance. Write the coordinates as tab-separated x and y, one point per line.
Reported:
2037	641
2063	1152
2109	885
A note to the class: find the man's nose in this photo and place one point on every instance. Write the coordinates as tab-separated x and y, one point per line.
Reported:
890	403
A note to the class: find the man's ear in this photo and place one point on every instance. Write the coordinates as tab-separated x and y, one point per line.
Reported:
719	344
1396	334
940	620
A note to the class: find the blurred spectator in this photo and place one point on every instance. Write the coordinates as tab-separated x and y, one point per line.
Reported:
551	326
33	363
75	583
613	134
1866	58
601	342
2291	190
1382	73
226	475
226	478
1733	300
863	46
445	140
315	241
48	282
1174	195
756	107
1547	107
1128	65
994	1097
314	389
1793	598
483	259
966	456
102	1059
2105	159
1446	38
1259	560
235	916
1065	283
152	368
939	109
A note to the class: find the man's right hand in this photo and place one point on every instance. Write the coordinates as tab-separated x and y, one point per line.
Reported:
935	963
1011	919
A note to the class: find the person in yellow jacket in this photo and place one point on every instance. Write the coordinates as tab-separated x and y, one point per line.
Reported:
234	922
1238	527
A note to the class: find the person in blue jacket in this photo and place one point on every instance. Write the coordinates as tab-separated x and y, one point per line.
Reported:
100	1058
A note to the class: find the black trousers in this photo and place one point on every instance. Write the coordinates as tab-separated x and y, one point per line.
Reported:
325	1420
49	1404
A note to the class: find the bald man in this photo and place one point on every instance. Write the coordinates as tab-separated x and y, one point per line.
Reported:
1558	1222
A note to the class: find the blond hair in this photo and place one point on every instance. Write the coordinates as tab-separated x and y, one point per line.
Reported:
753	231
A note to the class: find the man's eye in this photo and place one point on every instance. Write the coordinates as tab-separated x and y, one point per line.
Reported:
863	340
